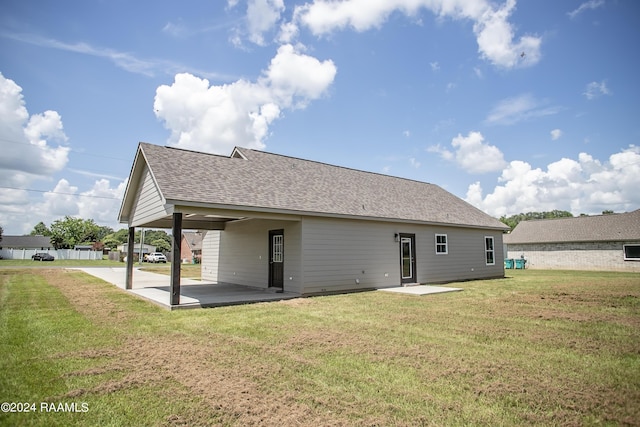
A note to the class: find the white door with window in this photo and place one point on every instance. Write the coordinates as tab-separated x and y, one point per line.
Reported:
407	258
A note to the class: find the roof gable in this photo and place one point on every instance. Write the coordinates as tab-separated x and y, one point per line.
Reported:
598	228
251	179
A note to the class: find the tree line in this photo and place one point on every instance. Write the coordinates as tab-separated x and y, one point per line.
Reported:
513	220
68	232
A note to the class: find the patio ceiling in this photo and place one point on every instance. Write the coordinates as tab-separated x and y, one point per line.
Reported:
211	218
193	221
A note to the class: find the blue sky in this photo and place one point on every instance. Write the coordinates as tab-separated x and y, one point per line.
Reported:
513	106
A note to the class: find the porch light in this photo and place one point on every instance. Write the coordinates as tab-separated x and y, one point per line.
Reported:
396	237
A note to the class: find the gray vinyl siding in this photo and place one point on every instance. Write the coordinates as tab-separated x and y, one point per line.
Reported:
210	256
338	252
243	254
465	259
149	205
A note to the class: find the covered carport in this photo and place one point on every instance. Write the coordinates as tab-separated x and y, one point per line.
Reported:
187	218
177	221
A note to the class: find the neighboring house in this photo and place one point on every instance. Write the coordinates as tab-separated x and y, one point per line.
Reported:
26	242
602	242
307	227
146	249
191	247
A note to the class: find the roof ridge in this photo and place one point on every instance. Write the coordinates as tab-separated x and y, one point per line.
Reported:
187	150
336	166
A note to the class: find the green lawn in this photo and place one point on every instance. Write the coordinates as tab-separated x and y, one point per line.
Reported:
536	348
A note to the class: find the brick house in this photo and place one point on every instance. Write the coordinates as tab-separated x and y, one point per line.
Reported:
191	248
600	242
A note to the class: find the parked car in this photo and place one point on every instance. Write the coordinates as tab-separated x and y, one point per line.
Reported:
42	256
156	257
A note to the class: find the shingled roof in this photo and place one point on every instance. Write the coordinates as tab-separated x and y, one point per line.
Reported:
599	228
251	179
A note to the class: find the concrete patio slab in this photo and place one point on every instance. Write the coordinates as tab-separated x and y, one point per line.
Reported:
193	293
421	290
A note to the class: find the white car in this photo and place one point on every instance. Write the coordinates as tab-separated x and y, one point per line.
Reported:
156	257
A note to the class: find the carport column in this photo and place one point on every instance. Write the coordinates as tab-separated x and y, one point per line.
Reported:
130	242
175	258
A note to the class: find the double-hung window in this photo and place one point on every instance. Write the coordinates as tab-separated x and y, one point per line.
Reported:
489	251
442	247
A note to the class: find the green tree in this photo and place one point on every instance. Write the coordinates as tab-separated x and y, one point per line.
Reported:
607	212
121	236
70	231
513	220
40	229
102	232
161	245
1	231
110	242
158	238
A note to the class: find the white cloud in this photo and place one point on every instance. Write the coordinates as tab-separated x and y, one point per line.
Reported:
472	154
262	16
217	118
494	34
556	134
591	4
414	163
523	107
288	32
406	133
496	40
595	90
434	66
31	145
585	185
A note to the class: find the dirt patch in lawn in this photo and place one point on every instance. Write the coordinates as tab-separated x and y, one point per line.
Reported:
229	388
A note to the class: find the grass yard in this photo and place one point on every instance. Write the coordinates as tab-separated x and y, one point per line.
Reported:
536	348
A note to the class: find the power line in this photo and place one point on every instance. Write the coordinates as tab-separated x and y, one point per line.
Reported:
61	193
70	150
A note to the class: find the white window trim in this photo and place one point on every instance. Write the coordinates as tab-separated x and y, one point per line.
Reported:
486	251
624	252
446	244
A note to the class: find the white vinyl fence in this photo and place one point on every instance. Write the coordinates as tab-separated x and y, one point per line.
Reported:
59	254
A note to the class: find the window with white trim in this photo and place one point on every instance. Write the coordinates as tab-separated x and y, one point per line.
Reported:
278	248
489	251
442	247
631	252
